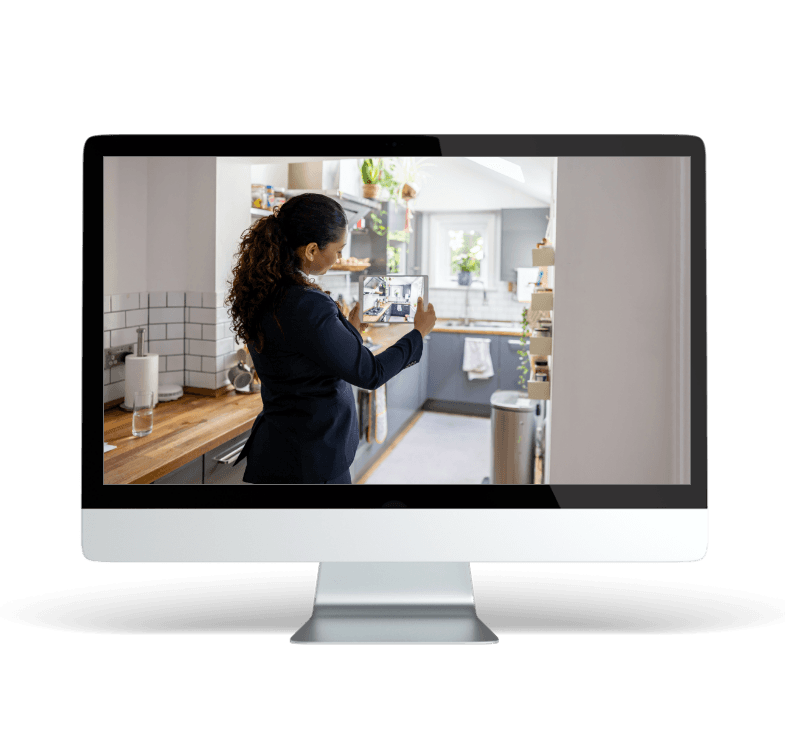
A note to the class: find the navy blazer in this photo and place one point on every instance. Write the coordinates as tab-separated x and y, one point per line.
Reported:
307	431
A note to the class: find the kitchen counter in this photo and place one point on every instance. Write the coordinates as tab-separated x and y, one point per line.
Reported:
195	424
183	430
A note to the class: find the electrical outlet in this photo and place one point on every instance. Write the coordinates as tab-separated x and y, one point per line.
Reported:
113	357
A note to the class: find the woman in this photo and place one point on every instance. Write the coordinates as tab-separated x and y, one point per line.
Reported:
306	353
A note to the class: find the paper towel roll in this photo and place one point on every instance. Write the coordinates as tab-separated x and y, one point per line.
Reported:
141	374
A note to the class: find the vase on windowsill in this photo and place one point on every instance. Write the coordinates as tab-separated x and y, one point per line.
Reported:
464	277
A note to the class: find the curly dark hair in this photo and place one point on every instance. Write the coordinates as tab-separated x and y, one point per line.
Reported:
268	264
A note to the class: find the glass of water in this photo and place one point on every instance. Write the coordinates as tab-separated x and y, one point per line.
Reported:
142	423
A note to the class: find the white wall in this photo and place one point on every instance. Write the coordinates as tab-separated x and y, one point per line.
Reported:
125	224
614	411
159	224
453	184
233	216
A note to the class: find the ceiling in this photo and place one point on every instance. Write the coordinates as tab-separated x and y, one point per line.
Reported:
537	171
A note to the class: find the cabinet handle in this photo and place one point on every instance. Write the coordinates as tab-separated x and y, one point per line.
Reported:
231	456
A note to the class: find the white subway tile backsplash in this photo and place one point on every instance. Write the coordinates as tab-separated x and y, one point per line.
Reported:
193	299
200	379
157	298
107	303
202	348
114	320
193	362
193	330
164	348
224	345
202	315
209	364
156	332
175	298
174	363
166	314
209	332
212	299
124	336
136	317
175	377
175	330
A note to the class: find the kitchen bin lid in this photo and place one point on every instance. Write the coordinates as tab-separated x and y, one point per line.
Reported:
516	401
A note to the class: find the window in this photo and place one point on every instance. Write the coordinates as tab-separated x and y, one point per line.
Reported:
464	238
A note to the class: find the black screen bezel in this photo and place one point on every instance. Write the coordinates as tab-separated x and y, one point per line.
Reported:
693	495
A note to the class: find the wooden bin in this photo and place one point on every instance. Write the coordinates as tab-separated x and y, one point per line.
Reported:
542	302
540	346
538	389
544	256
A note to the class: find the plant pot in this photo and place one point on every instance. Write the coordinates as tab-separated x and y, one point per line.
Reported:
464	277
371	191
409	191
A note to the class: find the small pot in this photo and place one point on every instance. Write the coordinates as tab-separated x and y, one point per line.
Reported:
371	191
409	191
464	277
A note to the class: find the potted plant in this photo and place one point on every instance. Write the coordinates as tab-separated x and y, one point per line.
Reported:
371	172
469	254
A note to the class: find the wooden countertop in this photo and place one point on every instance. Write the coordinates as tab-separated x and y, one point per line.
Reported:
195	424
183	429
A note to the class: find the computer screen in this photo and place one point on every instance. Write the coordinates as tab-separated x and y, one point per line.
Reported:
495	358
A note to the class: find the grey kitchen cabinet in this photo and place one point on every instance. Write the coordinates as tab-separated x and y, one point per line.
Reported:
207	469
423	369
522	230
447	380
218	469
189	474
510	360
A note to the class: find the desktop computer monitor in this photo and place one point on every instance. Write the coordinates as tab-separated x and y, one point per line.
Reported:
562	368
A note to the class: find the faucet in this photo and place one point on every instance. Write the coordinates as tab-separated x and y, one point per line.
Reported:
465	320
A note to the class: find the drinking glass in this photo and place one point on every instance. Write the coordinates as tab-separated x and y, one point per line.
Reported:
142	423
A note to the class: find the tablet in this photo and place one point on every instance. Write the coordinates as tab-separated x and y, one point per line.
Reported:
391	298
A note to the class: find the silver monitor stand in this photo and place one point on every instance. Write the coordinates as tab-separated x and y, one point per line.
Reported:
394	602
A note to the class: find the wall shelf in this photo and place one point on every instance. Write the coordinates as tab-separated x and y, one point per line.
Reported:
543	256
539	390
540	345
541	301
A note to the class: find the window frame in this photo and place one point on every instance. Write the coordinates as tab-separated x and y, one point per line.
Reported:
488	222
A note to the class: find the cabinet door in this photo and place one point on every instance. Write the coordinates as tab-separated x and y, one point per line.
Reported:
218	472
189	474
424	369
402	398
510	360
447	380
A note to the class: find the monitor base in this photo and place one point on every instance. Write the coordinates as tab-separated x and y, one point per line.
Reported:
370	602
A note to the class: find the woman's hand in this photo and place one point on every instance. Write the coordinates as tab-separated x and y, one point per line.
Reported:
354	319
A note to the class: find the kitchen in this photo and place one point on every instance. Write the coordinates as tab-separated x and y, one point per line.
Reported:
471	224
172	226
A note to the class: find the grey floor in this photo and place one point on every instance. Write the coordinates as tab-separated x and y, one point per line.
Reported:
439	449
